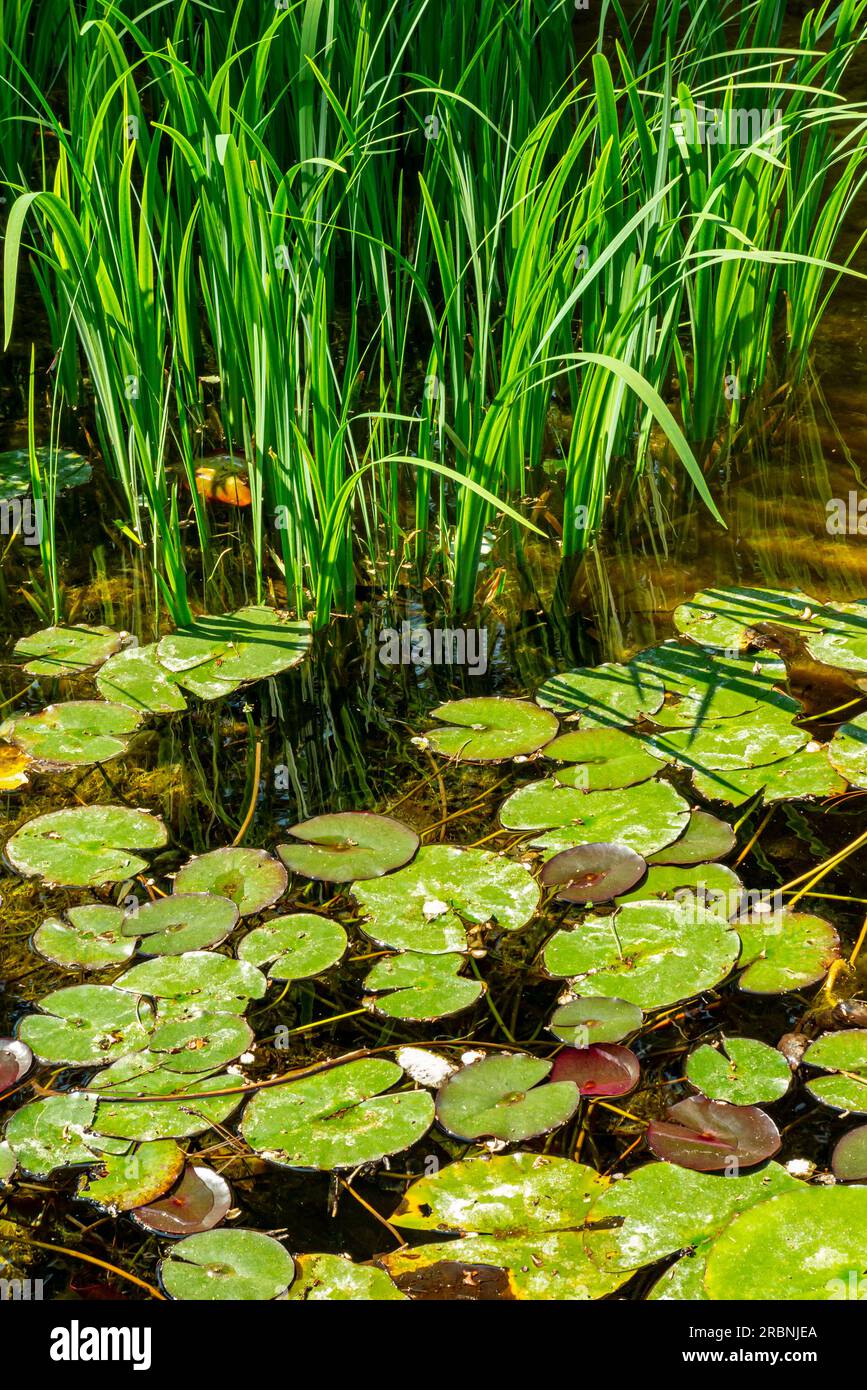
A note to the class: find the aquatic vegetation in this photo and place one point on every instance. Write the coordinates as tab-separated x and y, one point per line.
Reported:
741	1071
348	846
711	1136
85	845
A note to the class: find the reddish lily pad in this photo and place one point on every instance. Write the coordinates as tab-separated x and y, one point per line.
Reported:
593	873
16	1059
711	1135
199	1202
601	1070
849	1159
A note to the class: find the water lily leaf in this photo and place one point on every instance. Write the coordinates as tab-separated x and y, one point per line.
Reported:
805	773
766	736
785	950
544	1267
85	845
337	1118
643	818
73	734
13	768
490	729
125	1181
204	977
847	751
215	655
227	1265
71	470
299	946
66	650
199	1202
500	1098
841	639
710	1136
649	954
705	838
714	887
326	1278
610	694
252	878
8	1163
90	938
184	922
16	1059
200	1044
742	1071
844	1054
705	687
595	1019
603	758
54	1133
423	907
599	1070
421	987
141	1075
135	678
506	1195
347	846
805	1245
87	1025
593	873
684	1281
725	618
849	1159
660	1209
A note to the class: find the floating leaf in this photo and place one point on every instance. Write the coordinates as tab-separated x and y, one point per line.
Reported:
725	618
89	939
13	768
53	1133
85	845
201	977
252	878
500	1098
847	751
610	694
421	987
125	1181
598	1070
714	888
684	1281
841	639
183	922
160	1119
68	469
709	1135
73	734
330	1278
705	838
766	736
87	1025
490	729
227	1265
649	954
595	1020
16	1059
338	1118
299	946
424	906
707	687
845	1055
8	1163
593	873
741	1071
199	1202
644	818
135	678
603	758
200	1044
214	655
849	1159
66	650
544	1267
805	773
347	846
785	950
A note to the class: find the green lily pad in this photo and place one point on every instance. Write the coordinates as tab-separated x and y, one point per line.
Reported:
349	845
252	878
201	1044
544	1267
500	1098
705	838
808	1245
714	887
54	1133
706	687
337	1118
184	922
785	950
330	1278
419	987
848	1161
661	1208
227	1265
135	678
841	639
87	1025
490	729
805	773
505	1195
847	751
73	734
604	758
844	1054
423	907
85	845
724	618
611	694
203	977
126	1181
215	655
90	938
741	1071
71	470
141	1075
299	946
595	1019
645	818
765	736
649	954
684	1281
8	1163
66	650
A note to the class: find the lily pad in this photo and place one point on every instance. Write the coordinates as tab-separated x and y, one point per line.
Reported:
807	773
200	1044
203	977
742	1071
135	678
785	950
215	655
199	1202
227	1265
159	1118
643	818
338	1118
71	470
14	766
595	1019
8	1163
299	946
713	887
90	938
849	1159
421	987
330	1278
67	649
844	1054
500	1098
841	638
705	838
650	954
252	878
54	1133
490	729
73	734
424	906
847	751
765	736
710	1136
348	845
125	1181
599	1070
706	687
603	758
85	845
611	695
16	1059
593	873
725	618
684	1281
183	922
87	1025
544	1267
